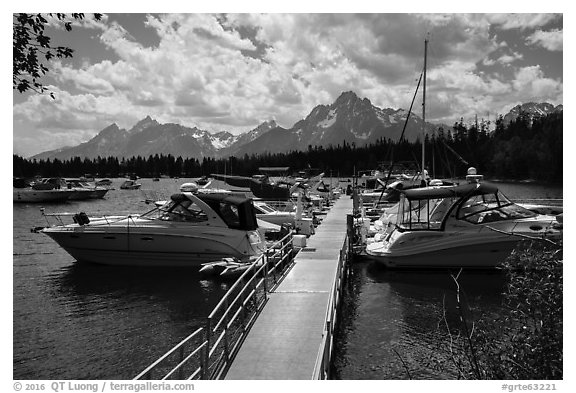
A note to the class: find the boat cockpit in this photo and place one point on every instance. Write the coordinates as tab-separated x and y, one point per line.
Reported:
435	208
235	212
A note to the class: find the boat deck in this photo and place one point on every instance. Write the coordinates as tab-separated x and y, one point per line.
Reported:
286	338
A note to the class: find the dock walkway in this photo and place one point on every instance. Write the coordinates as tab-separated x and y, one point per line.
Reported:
287	336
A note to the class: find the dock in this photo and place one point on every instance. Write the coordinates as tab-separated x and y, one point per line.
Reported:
288	337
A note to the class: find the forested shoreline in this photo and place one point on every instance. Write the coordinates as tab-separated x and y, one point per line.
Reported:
527	148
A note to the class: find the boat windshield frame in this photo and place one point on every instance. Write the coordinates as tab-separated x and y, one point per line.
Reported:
479	209
207	209
178	211
433	208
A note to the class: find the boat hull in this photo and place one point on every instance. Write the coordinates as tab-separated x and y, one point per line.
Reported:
482	247
144	248
83	194
41	196
480	256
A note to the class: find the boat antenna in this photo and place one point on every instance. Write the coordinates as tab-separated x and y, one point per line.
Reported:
424	107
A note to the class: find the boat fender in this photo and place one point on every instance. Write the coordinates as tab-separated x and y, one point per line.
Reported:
81	218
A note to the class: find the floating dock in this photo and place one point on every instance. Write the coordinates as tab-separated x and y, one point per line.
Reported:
288	337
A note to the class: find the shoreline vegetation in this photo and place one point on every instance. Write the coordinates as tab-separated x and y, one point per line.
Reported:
525	150
525	340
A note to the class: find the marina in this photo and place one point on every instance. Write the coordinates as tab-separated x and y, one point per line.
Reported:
147	310
287	197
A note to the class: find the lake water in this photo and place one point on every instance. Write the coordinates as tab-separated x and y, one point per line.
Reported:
393	324
77	321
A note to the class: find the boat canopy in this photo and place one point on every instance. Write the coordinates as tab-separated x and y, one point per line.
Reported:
236	212
447	192
437	208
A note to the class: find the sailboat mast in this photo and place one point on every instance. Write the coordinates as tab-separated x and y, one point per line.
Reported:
424	106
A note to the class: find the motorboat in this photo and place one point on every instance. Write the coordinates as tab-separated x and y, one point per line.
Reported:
188	230
469	225
130	185
266	187
103	183
295	219
26	192
85	190
202	181
269	214
82	190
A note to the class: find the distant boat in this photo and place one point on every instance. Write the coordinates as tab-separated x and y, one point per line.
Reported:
202	181
130	185
104	183
85	190
25	192
41	196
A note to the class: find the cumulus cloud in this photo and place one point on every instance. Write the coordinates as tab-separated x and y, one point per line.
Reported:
551	40
532	83
232	72
510	58
522	21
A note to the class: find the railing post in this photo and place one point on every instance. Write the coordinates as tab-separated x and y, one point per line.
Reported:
327	349
265	259
207	353
226	349
202	363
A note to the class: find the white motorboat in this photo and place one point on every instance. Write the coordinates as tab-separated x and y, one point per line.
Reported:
267	213
85	190
470	225
130	185
82	189
24	192
189	230
103	182
30	195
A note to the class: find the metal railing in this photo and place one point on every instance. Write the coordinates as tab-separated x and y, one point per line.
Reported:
324	358
208	352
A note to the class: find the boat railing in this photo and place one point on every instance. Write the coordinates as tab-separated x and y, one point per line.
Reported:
108	218
208	352
324	357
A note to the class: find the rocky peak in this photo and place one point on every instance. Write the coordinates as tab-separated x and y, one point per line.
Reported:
143	124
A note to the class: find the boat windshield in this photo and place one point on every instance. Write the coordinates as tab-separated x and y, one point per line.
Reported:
178	211
424	213
485	208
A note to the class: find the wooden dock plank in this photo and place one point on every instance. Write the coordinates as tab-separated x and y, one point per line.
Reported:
287	335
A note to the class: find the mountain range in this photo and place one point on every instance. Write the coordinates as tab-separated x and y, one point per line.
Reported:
533	109
349	119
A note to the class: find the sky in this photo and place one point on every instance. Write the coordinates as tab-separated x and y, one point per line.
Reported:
231	72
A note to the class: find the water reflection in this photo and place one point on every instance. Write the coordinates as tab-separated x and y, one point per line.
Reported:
397	324
181	292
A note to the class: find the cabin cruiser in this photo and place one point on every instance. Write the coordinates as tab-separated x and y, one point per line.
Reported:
188	230
82	190
85	190
130	185
26	192
469	225
40	190
103	182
